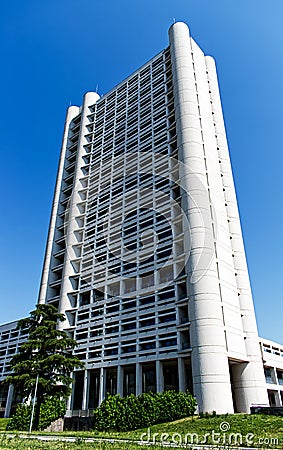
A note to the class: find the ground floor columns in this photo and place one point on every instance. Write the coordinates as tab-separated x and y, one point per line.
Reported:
182	375
70	400
9	401
71	396
85	390
102	385
139	383
120	376
92	384
159	377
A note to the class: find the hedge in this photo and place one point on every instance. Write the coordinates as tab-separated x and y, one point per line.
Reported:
131	412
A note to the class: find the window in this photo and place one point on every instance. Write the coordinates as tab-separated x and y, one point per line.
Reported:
268	377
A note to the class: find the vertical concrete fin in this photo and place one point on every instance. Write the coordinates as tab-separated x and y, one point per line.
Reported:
72	112
211	378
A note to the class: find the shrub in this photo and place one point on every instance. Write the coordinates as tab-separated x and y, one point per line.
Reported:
131	412
21	418
53	408
172	405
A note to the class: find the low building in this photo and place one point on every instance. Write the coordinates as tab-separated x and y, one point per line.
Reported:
272	357
10	340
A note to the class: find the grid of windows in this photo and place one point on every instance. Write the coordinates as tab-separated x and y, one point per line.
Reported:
130	220
135	121
10	340
112	324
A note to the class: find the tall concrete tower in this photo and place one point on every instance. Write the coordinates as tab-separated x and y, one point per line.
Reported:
145	254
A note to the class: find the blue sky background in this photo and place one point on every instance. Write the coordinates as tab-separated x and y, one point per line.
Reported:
54	51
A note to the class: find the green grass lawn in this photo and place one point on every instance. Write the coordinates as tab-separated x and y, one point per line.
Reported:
230	430
29	444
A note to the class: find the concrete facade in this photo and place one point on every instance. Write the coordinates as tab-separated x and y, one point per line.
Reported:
145	254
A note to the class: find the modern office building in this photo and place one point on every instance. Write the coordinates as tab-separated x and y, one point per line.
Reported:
145	254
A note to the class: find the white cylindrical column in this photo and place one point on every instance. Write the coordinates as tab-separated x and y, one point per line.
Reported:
72	112
210	367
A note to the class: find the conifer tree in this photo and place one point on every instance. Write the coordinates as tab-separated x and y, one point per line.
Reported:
46	355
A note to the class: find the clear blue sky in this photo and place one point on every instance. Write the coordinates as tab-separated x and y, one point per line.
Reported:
54	51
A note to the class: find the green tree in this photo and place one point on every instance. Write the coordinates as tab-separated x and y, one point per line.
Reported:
47	354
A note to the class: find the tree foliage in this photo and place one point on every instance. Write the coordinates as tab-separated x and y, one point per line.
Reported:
47	354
